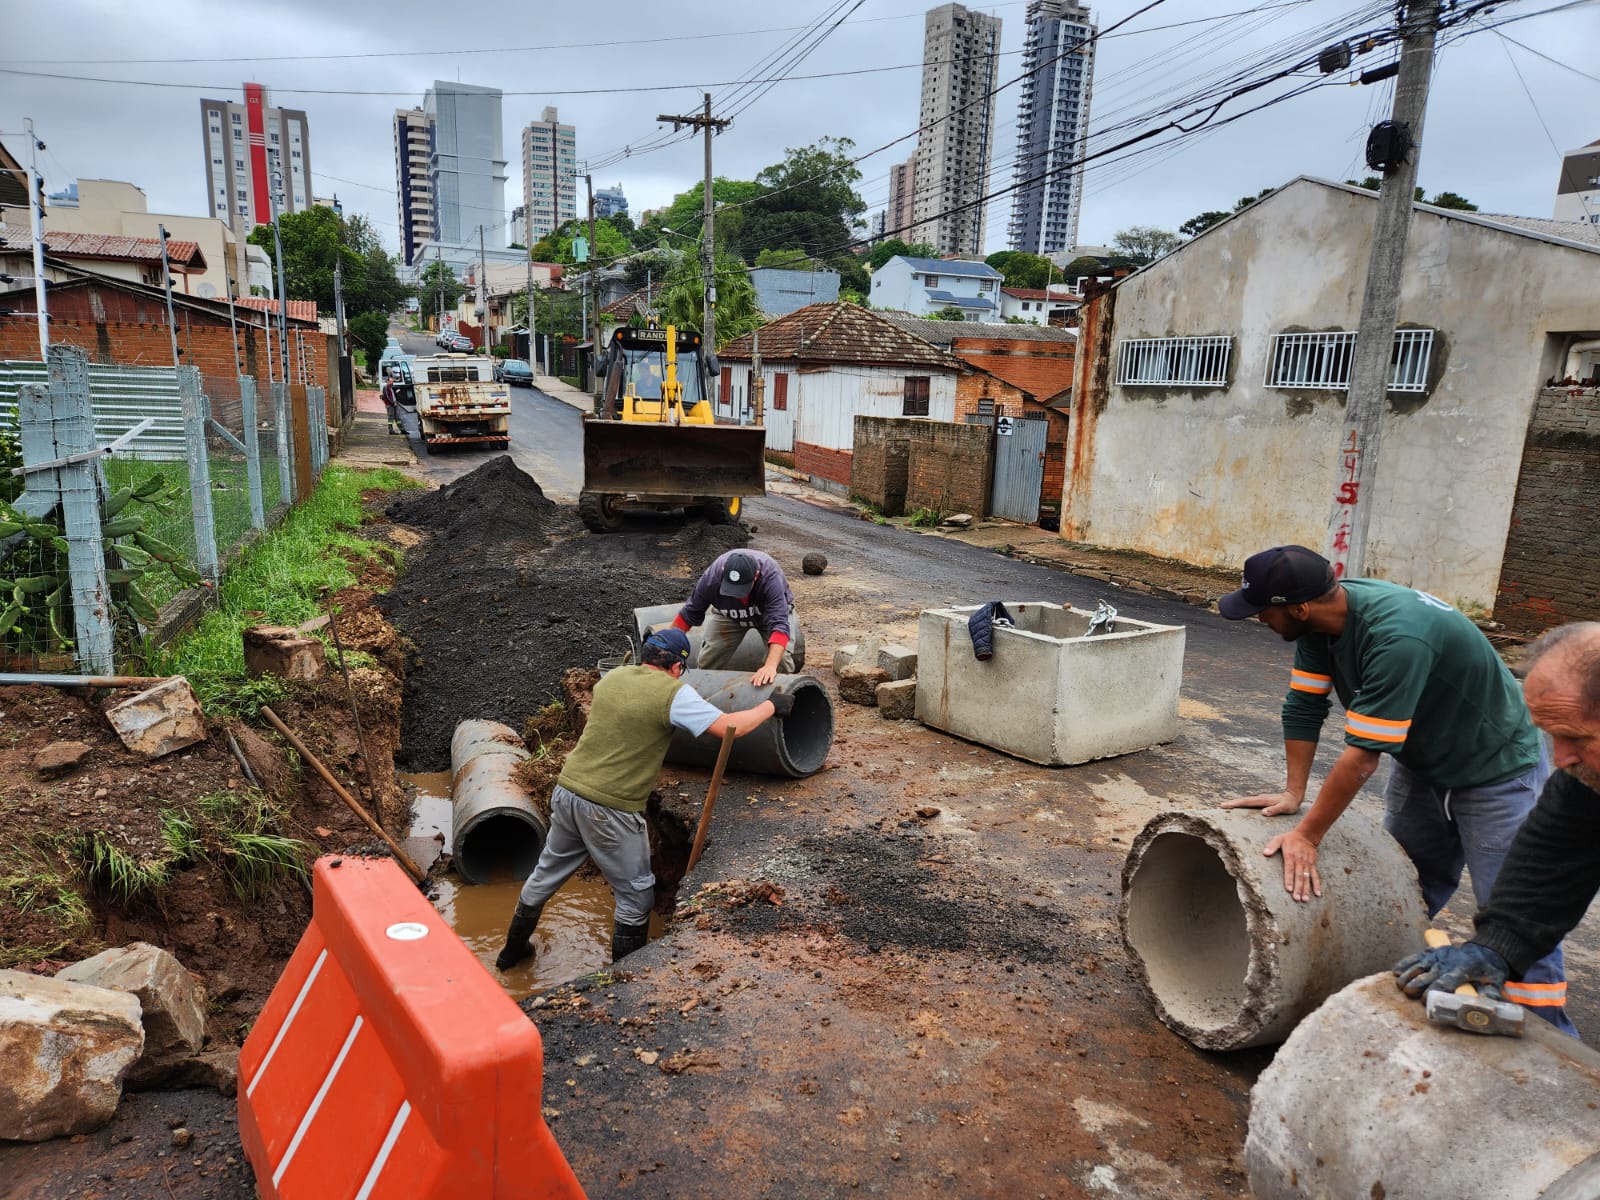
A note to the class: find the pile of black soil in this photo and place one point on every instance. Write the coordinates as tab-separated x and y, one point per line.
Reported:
510	592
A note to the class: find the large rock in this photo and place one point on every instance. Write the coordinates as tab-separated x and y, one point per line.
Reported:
156	722
897	700
64	1048
172	1002
897	661
60	758
289	653
859	684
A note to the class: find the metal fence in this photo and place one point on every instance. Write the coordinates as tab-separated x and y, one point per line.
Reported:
133	484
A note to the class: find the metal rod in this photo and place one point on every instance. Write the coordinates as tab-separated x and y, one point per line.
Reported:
351	802
24	679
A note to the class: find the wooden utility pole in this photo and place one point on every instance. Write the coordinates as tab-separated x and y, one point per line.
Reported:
1380	304
704	121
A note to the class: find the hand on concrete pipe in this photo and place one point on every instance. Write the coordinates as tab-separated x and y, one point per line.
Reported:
1271	804
782	704
1300	878
1448	967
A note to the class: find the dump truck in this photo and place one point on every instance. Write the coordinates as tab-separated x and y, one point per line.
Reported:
654	443
459	402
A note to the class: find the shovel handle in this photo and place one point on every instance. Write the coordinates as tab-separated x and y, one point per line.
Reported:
711	798
1437	938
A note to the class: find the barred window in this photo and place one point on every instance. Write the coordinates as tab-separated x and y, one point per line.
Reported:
1323	361
916	397
1174	361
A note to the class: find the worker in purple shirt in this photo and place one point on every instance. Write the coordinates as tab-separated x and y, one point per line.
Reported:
742	590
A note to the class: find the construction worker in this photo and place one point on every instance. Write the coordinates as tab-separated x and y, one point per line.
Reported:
742	590
1551	873
597	807
391	400
1420	683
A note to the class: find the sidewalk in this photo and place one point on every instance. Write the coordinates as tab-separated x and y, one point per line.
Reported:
368	443
564	392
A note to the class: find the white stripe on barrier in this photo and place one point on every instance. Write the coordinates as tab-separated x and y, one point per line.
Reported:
287	1021
383	1151
316	1103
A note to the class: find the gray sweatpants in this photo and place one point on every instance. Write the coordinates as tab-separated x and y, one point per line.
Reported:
618	842
720	639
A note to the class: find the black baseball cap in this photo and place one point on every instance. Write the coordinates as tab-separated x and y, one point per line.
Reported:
738	575
673	641
1282	575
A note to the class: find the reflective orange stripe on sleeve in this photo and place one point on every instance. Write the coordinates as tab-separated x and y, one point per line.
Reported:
1306	681
1536	995
1376	729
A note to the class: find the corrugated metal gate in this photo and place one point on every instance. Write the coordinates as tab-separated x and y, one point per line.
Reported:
122	397
1018	464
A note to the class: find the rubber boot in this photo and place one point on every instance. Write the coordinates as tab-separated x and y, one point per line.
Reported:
625	939
518	946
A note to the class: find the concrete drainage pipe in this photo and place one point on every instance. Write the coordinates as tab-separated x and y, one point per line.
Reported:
1366	1098
752	652
496	832
795	746
1227	957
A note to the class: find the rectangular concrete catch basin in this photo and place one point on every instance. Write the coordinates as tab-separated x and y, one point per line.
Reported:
1052	693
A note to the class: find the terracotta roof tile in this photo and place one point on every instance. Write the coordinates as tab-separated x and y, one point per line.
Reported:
184	255
838	333
299	310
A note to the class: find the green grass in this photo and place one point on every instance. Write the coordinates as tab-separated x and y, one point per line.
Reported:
34	884
112	872
925	518
276	582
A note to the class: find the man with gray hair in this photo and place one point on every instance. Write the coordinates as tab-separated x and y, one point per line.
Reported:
1551	874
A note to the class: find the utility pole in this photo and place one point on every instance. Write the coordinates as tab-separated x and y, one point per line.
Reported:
438	259
283	293
594	293
533	356
35	214
483	293
704	121
1393	148
166	284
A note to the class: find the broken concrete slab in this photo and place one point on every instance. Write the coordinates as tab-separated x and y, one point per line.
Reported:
843	657
172	1001
899	662
897	699
64	1049
156	722
859	684
60	758
957	521
279	650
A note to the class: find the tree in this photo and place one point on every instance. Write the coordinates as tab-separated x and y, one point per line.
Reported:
610	244
316	239
883	251
1198	224
680	223
683	298
439	287
1244	202
1021	269
787	260
650	267
370	331
948	313
806	202
1084	264
1143	244
1453	200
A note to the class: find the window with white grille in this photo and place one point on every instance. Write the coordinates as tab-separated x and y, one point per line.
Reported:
1322	361
1174	362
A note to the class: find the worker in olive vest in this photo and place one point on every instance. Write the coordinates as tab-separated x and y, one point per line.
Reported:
597	807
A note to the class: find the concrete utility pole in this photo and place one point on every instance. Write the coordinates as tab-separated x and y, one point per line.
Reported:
1380	304
438	258
533	355
704	121
40	301
594	293
483	292
283	293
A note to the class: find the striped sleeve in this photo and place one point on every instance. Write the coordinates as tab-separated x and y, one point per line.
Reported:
1306	704
1393	674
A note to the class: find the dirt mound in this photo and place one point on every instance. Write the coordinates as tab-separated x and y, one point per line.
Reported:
511	592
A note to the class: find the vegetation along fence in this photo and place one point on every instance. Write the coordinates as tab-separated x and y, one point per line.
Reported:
121	487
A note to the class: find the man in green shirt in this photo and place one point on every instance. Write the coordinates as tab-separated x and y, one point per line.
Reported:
1420	683
597	806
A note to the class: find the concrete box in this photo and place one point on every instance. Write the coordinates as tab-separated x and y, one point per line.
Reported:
1050	694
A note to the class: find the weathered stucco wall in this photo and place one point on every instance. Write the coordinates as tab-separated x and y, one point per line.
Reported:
1212	475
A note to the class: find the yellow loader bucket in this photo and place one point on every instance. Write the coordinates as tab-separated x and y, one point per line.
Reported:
649	458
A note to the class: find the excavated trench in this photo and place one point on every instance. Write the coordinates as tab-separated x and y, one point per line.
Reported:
508	593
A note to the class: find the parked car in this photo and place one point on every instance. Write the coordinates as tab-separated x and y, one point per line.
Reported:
460	344
514	371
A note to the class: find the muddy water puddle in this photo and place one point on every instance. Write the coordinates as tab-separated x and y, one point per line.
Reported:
574	934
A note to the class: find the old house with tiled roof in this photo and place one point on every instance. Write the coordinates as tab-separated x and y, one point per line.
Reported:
825	364
135	259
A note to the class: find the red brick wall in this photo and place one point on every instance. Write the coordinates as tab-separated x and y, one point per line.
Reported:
950	467
979	385
880	463
1041	368
832	465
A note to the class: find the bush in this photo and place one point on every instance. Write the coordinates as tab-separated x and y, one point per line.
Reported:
501	351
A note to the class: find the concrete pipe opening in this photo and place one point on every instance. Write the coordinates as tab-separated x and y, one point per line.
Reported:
497	846
1186	924
1227	957
497	831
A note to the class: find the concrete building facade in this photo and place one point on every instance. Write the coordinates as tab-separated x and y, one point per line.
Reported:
549	182
898	216
959	73
413	141
254	154
1052	126
1578	189
465	167
1208	402
608	202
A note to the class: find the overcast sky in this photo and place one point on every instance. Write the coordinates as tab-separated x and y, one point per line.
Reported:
1486	137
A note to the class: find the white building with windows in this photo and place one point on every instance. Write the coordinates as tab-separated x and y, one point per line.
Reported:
1208	405
255	154
549	176
922	286
1578	189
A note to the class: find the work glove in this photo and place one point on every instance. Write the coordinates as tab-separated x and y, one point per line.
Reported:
1448	967
782	704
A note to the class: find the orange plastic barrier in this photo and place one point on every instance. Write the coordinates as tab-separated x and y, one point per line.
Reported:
388	1063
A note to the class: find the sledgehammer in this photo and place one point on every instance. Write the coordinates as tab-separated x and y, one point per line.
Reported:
1468	1010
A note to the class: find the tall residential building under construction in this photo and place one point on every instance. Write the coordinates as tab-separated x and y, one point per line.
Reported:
956	143
1052	126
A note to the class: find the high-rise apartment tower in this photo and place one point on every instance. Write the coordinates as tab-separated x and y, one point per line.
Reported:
1052	126
252	151
959	67
412	141
549	186
465	167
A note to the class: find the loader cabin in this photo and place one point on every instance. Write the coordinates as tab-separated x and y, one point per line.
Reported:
636	365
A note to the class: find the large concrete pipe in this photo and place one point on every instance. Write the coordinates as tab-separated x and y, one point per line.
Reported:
752	652
495	831
1367	1098
1228	958
796	745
